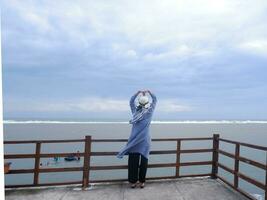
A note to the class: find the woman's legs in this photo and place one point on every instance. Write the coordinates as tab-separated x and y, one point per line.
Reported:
143	169
133	163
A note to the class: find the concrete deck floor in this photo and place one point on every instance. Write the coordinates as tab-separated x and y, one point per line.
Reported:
179	189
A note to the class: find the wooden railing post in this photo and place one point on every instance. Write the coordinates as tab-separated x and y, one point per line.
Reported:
237	152
178	153
37	163
86	164
215	156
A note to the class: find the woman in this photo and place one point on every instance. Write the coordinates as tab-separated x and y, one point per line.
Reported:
139	142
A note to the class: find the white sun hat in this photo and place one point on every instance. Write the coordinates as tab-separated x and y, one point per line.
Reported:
143	100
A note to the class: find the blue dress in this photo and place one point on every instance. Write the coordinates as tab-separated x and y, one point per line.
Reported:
139	140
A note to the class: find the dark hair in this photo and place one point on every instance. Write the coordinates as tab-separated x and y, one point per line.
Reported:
139	107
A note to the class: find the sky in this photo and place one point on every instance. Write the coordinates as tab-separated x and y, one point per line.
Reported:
204	60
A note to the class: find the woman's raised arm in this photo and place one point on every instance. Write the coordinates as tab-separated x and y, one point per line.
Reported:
154	99
132	105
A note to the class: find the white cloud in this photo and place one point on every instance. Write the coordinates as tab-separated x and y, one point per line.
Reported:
172	106
91	104
258	47
40	22
183	26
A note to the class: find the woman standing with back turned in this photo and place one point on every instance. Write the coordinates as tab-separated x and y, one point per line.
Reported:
139	142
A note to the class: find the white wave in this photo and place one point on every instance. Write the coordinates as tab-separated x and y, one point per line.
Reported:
126	122
62	122
211	122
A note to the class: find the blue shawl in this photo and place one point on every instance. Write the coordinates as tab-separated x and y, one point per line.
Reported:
139	140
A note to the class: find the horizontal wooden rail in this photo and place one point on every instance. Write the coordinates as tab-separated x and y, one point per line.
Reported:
251	180
47	155
98	140
244	177
245	144
237	174
153	140
110	167
226	168
196	150
44	184
243	159
18	156
21	171
41	141
45	170
88	153
43	155
154	178
237	189
158	165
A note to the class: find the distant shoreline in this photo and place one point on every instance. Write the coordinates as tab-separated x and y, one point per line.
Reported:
126	122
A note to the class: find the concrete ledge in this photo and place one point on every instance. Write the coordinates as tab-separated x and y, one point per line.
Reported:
173	189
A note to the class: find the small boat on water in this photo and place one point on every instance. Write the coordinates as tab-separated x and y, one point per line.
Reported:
71	158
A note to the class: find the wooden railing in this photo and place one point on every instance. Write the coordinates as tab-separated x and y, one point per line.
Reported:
236	172
88	153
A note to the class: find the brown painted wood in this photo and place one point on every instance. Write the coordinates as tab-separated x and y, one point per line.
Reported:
230	155
245	144
237	189
50	155
87	154
18	156
196	163
45	170
47	155
109	140
159	165
151	178
196	151
246	178
237	152
251	180
266	177
200	138
154	140
120	180
243	159
44	155
97	140
44	184
226	168
86	164
195	175
178	150
156	152
215	155
111	167
252	162
21	171
37	163
115	153
66	169
20	186
41	141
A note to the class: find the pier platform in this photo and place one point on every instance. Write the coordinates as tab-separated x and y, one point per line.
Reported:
174	189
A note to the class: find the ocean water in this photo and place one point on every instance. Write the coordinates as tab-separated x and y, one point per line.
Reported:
254	132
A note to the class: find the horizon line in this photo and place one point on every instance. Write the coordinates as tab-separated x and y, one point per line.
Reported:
127	122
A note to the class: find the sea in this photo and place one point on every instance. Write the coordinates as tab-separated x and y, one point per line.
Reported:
254	132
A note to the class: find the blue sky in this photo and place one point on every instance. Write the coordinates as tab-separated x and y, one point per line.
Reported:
203	59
